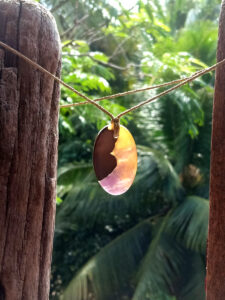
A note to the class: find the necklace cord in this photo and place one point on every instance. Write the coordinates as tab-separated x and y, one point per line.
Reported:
187	80
37	66
180	82
128	92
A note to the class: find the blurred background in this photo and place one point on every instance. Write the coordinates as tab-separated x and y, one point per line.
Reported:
149	243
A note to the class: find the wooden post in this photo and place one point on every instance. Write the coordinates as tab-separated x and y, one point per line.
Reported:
215	279
28	149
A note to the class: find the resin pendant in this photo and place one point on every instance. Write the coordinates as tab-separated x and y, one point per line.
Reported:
115	159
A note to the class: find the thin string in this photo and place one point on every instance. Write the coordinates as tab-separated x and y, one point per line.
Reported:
181	82
37	66
189	79
127	93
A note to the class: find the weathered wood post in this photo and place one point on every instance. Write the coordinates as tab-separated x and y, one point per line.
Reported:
28	149
215	280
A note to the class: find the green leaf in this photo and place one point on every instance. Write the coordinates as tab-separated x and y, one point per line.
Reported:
107	275
58	200
83	46
99	56
167	272
189	223
86	201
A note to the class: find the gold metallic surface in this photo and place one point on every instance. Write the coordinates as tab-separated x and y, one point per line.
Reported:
120	178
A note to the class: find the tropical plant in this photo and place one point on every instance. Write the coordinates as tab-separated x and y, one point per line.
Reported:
147	260
149	243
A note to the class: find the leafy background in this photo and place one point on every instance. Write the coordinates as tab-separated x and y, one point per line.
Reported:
149	243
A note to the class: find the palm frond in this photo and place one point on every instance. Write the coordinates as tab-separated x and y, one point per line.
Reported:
168	270
107	275
189	223
199	39
152	275
86	201
70	173
192	284
153	262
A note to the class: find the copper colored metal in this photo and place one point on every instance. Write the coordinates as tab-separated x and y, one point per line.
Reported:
115	160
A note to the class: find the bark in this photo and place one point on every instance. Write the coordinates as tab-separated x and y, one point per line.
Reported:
28	149
215	280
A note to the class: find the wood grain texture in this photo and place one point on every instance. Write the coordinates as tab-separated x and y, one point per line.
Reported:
215	280
28	149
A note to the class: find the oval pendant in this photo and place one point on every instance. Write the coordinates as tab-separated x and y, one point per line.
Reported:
115	160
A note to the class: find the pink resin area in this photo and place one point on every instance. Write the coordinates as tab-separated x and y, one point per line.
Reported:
122	176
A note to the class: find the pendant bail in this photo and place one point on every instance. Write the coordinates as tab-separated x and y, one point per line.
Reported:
116	127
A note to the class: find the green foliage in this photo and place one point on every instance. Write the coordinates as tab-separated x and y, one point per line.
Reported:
86	202
149	243
128	265
199	40
189	223
107	275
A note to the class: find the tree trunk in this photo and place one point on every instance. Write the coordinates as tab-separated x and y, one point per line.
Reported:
216	239
28	150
